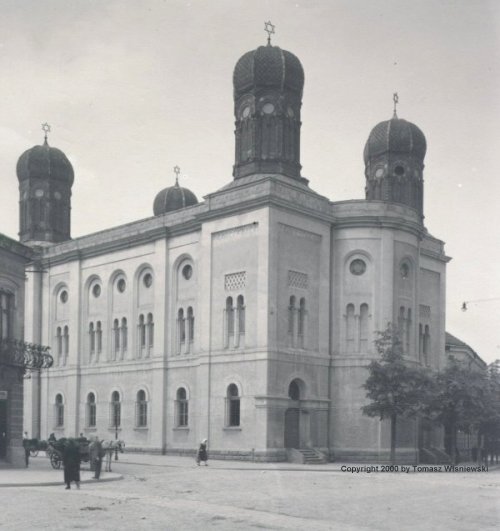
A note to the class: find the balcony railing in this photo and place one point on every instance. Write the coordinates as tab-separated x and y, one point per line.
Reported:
24	356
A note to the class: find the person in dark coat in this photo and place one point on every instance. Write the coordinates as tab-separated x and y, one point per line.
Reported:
202	454
71	462
96	452
26	445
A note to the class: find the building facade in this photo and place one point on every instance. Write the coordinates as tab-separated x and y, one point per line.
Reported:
248	318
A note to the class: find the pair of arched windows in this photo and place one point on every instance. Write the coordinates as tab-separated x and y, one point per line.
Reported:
95	338
59	411
232	406
234	322
141	410
62	344
297	322
146	334
181	408
357	328
185	330
120	338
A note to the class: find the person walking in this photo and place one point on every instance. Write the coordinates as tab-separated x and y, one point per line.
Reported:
26	445
202	454
96	454
71	462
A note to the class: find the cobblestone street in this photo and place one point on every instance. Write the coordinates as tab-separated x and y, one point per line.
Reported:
159	492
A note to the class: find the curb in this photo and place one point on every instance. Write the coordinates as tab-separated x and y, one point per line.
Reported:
59	483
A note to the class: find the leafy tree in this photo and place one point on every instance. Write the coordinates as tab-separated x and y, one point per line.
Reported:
461	400
395	388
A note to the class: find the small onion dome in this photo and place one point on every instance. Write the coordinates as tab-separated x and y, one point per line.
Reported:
268	67
395	136
173	198
45	162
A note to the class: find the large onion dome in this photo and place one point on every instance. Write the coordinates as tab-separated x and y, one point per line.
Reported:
268	67
45	162
395	136
173	198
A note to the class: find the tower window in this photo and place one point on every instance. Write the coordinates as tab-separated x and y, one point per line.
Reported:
399	170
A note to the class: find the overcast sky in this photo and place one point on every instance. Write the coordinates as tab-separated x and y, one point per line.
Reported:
133	88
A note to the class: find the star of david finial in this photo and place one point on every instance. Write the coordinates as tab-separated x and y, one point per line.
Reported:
395	99
177	170
46	129
269	29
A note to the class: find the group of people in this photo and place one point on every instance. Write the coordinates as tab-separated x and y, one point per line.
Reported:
71	460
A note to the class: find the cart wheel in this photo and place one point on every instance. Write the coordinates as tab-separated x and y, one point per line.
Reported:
55	461
33	453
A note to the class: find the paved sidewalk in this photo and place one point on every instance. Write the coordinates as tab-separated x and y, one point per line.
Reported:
40	473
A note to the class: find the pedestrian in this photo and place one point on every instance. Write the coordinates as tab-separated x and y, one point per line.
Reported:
202	454
26	445
71	462
96	452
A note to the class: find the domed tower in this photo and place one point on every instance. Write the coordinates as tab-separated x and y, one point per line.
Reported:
268	84
394	162
45	178
173	198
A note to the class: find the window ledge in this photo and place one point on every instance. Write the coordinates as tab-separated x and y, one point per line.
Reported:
232	428
181	428
91	428
112	428
141	428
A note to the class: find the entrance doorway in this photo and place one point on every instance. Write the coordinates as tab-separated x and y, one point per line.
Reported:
292	428
3	429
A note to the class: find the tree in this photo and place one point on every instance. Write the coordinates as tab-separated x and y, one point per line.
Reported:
395	388
460	400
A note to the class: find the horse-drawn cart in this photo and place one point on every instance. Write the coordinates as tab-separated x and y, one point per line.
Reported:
55	451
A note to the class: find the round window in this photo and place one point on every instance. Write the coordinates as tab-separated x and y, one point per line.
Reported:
57	195
121	285
147	279
357	267
96	290
379	172
246	112
64	296
187	271
405	270
39	193
268	108
290	112
399	170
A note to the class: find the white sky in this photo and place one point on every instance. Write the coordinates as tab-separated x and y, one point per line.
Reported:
133	87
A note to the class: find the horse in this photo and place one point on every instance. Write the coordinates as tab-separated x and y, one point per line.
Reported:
110	448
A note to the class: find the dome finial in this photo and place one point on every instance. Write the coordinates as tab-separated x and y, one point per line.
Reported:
269	29
46	129
177	170
395	99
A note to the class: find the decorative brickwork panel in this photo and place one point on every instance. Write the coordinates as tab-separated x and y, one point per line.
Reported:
425	311
297	280
235	281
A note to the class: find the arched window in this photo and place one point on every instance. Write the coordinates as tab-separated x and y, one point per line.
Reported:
115	410
229	323
59	343
116	336
66	341
350	327
190	320
91	339
99	336
59	411
294	390
402	327
91	410
141	410
240	304
363	327
124	334
302	322
6	310
181	330
151	331
427	344
233	406
181	406
141	333
408	330
291	321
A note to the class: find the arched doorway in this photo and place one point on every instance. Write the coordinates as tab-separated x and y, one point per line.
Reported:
292	414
